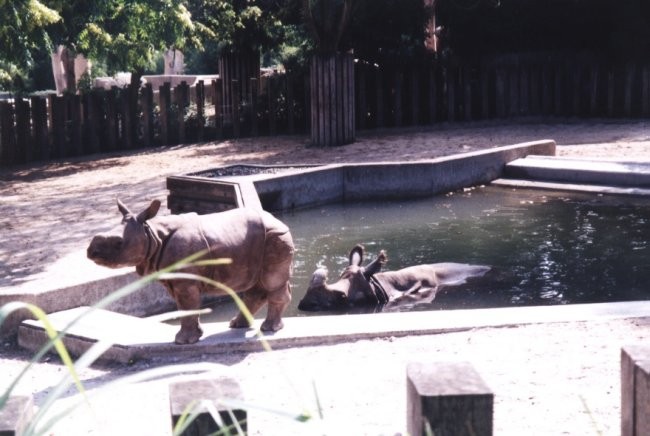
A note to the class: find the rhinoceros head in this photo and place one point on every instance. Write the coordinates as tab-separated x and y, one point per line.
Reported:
125	245
351	288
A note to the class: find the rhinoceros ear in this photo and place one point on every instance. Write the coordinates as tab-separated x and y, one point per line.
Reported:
375	266
123	209
149	212
356	255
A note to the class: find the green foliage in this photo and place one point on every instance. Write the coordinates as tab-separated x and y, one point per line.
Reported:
23	31
128	34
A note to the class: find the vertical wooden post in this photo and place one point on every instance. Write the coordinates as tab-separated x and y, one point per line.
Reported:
415	95
91	121
635	390
290	101
307	101
513	91
645	90
125	141
199	98
23	131
611	90
379	91
559	91
271	89
501	92
236	127
164	93
332	99
255	91
58	126
485	91
524	90
146	101
397	102
76	125
112	118
535	93
362	108
433	93
630	73
447	399
181	94
467	92
451	93
593	89
218	107
7	132
547	86
39	123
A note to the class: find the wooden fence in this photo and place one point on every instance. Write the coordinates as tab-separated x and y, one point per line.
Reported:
48	127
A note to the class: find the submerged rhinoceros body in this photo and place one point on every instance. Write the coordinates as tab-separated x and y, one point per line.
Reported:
368	286
260	248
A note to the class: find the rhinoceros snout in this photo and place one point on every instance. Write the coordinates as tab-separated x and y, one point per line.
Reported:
103	249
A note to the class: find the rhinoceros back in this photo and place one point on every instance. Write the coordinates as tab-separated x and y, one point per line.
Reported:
246	236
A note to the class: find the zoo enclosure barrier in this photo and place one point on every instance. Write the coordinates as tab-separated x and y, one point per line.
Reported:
394	94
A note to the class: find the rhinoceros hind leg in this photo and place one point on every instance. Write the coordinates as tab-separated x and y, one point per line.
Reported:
253	299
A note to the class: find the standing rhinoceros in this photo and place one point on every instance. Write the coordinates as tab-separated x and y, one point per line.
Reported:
259	246
367	286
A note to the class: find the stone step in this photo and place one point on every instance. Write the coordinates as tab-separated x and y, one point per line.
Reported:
580	171
134	338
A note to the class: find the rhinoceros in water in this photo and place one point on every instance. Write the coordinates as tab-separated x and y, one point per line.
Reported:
259	246
360	285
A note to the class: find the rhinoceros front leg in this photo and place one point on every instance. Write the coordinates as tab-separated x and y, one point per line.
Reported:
188	297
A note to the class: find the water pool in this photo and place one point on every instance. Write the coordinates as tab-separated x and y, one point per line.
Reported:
545	247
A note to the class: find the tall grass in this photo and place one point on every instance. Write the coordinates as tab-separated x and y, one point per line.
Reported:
46	417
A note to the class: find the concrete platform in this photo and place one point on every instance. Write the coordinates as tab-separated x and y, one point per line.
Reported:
141	338
609	173
571	187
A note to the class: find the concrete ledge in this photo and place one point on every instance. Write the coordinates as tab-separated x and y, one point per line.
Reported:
580	171
136	338
571	187
311	185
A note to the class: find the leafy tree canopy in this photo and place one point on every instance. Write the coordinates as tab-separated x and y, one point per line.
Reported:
23	30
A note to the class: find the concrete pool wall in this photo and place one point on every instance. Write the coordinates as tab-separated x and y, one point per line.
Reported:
309	186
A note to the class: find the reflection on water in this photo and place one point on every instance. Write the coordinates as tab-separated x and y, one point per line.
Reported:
545	247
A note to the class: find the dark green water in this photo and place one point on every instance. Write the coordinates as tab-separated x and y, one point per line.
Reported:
546	248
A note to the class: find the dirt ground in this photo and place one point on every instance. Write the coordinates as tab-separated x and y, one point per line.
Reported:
548	379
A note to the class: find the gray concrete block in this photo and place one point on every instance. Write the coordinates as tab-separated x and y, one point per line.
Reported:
15	415
450	398
635	390
202	395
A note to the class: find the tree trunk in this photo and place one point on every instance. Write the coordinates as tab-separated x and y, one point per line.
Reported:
332	100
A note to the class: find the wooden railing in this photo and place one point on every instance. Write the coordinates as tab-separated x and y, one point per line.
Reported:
47	127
